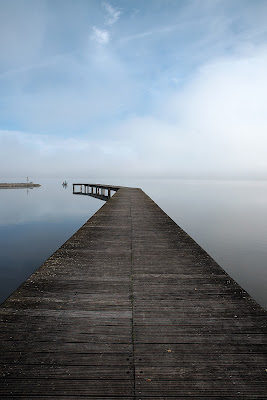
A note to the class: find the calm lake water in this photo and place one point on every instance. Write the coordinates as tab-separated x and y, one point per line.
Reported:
227	218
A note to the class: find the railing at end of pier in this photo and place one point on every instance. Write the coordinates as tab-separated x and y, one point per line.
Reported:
102	192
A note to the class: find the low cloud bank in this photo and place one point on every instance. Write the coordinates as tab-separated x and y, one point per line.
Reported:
215	126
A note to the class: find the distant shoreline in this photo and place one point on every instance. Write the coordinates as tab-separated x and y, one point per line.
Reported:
18	185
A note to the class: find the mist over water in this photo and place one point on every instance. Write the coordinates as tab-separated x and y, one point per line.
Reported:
227	218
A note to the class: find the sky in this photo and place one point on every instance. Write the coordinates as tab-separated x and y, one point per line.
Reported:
130	88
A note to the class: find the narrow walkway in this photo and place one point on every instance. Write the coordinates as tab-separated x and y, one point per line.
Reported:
130	307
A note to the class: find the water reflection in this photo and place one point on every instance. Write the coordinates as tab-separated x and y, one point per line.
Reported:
228	219
33	224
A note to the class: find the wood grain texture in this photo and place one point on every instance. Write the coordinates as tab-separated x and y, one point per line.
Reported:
130	307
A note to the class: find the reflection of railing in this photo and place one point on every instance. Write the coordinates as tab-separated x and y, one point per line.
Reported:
102	192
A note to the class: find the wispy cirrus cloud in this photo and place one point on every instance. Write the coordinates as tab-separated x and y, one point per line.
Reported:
100	36
112	14
152	32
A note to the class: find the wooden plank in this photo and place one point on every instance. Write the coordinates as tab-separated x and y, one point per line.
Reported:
45	371
67	387
13	358
130	307
73	397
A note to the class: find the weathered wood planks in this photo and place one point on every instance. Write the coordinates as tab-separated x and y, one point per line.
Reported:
130	307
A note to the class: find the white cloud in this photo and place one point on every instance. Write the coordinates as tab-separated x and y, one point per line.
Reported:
45	155
223	112
100	36
112	14
214	127
209	123
87	91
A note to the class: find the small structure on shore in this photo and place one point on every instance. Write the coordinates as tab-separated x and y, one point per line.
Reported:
19	185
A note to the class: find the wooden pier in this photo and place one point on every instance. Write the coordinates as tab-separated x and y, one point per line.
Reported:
130	307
